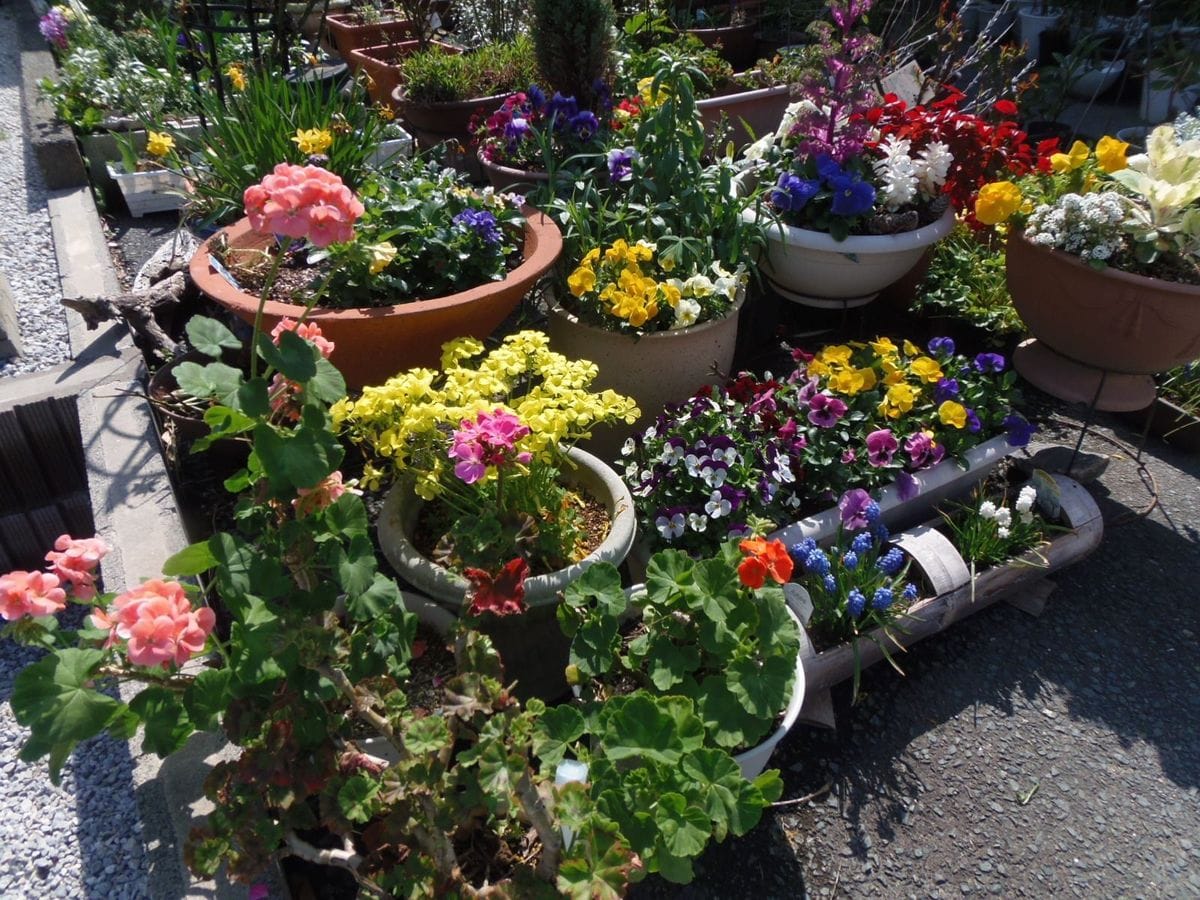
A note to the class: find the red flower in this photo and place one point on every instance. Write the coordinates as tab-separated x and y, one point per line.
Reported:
764	558
1005	107
502	595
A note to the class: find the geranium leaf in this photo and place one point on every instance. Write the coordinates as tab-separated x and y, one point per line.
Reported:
427	736
205	698
669	662
601	583
167	724
294	357
356	799
555	730
210	337
642	727
594	645
726	720
667	572
762	686
598	864
191	560
684	828
327	383
734	804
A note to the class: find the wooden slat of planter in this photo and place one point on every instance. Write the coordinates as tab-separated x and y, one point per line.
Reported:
52	428
928	617
17	462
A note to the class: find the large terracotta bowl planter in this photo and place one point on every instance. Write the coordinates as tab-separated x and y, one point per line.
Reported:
349	32
433	123
656	369
1093	324
374	343
750	114
532	646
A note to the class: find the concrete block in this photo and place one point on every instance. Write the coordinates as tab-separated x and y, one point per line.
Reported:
10	332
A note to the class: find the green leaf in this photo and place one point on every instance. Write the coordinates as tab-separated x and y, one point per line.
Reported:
762	687
167	724
210	337
356	568
53	697
555	730
684	828
600	583
717	588
253	398
347	516
595	645
295	459
597	865
327	384
499	772
380	599
668	662
206	698
294	357
191	560
215	380
225	420
427	736
728	723
733	804
660	729
356	799
668	571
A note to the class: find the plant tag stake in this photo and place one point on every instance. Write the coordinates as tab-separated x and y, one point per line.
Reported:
568	771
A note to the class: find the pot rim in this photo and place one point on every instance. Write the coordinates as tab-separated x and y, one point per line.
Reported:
861	243
554	307
529	174
1189	291
540	231
399	97
742	96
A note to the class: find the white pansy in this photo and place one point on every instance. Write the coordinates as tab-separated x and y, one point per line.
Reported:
628	447
717	505
713	476
671	528
697	522
687	312
698	286
692	461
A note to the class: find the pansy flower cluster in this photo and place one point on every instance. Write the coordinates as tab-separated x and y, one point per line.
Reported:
710	467
529	124
879	411
858	583
624	287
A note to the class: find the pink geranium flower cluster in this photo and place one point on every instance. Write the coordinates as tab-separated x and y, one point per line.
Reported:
303	202
73	563
284	394
488	440
157	623
310	331
322	495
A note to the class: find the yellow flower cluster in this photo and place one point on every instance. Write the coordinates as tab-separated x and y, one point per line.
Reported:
237	76
626	291
903	382
313	140
159	144
406	423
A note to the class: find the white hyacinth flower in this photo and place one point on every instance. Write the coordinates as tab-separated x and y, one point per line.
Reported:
1002	531
987	509
1003	518
1026	499
932	166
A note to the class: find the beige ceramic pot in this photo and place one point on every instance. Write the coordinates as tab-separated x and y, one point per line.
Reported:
1092	324
374	343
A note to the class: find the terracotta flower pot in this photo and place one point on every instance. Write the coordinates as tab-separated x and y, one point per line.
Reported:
383	65
532	646
751	114
349	32
506	178
1098	323
374	343
436	123
656	369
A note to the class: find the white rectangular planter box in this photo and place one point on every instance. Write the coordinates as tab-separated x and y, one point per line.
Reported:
101	147
148	192
391	151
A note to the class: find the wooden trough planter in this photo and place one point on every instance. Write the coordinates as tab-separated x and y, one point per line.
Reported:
1022	582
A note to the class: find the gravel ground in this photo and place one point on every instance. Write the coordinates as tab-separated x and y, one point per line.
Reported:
1017	756
26	247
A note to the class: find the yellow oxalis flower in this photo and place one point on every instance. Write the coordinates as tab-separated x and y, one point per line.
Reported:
997	201
159	144
382	255
951	413
1062	163
927	369
1110	154
236	76
313	140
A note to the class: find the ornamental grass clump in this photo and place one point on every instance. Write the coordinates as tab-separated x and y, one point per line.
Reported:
485	439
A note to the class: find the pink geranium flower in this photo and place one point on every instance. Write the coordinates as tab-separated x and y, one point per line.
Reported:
324	494
310	331
158	624
490	439
30	594
74	561
303	202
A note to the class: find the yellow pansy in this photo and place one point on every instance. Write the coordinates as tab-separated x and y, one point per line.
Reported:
1110	154
997	201
1062	163
835	355
951	413
591	257
381	255
582	280
159	144
313	140
236	76
671	294
892	373
898	400
852	381
884	347
927	369
911	349
818	368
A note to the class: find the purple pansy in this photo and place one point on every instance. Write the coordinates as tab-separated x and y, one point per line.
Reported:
853	506
1019	431
943	346
989	362
792	192
946	389
620	163
824	411
881	447
851	196
907	486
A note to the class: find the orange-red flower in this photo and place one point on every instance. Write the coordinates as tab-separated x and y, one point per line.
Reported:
764	558
503	594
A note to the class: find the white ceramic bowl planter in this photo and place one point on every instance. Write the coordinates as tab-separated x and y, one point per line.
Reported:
754	760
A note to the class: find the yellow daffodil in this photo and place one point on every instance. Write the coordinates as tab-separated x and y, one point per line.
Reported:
927	369
1110	154
381	255
313	140
1062	163
951	413
237	76
997	201
385	112
159	144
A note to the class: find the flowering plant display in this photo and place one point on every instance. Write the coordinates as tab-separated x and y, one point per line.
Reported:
709	466
423	234
533	131
991	529
857	584
1137	213
487	437
623	286
55	26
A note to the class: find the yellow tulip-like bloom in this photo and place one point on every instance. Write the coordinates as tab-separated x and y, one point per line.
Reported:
237	76
313	140
1110	154
927	369
650	97
951	413
997	201
382	255
385	112
1062	163
159	144
582	280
